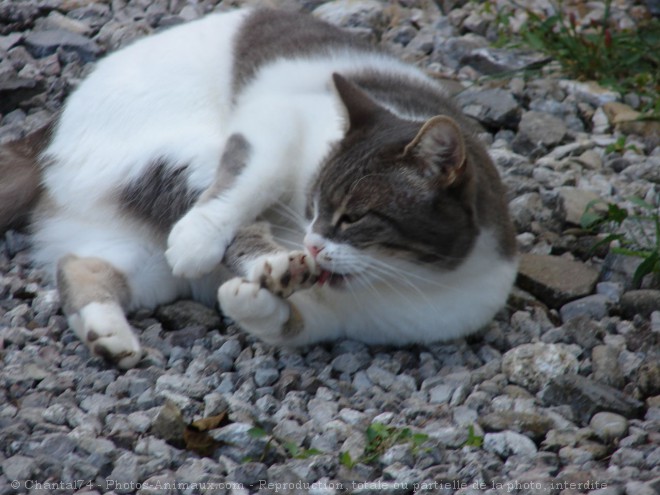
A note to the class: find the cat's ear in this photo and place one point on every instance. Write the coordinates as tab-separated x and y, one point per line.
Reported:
360	108
440	146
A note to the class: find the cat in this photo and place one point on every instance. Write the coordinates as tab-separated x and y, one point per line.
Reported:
311	184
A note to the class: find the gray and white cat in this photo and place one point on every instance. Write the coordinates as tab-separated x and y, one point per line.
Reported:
313	185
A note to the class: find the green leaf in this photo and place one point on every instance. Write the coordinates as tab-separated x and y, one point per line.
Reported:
641	203
474	440
616	214
631	252
649	265
419	438
346	460
256	432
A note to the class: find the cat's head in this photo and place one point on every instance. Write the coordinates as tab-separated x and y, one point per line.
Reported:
391	191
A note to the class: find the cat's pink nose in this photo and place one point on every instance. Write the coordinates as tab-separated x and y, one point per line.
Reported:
314	250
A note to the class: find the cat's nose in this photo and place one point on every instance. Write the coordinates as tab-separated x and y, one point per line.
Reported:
314	244
314	250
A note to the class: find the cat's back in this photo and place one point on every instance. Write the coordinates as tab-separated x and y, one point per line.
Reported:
161	97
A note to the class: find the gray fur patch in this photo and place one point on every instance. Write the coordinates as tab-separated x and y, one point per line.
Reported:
160	196
82	281
250	242
268	35
20	185
233	161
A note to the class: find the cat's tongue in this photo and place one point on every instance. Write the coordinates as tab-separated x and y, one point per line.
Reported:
324	276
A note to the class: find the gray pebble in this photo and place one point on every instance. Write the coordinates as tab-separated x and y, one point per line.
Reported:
595	307
509	443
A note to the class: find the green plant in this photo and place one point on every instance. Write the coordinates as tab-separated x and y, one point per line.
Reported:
636	234
625	60
619	146
293	450
473	439
380	438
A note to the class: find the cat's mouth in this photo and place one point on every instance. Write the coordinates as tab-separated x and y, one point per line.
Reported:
334	280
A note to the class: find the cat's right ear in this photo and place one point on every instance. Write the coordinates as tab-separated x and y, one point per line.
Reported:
360	109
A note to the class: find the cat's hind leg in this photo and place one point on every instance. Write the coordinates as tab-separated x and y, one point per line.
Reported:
94	294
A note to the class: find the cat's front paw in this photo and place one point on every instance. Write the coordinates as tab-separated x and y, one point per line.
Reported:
285	272
253	308
196	246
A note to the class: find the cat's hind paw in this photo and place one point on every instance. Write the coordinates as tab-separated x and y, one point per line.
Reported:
107	334
254	308
196	246
284	273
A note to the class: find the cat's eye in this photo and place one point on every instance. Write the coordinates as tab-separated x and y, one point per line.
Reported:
347	219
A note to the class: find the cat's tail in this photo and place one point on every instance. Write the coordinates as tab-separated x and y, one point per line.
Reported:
20	177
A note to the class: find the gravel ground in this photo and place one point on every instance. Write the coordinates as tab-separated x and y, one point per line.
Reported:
559	395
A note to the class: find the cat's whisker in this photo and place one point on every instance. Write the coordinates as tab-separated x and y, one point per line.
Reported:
382	276
400	274
280	207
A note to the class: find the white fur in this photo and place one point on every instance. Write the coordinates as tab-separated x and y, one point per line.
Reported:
113	332
397	305
168	97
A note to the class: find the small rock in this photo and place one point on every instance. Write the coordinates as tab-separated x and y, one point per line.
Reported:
237	442
44	43
441	394
537	133
612	290
182	385
575	202
591	160
15	89
168	424
249	473
619	112
589	92
529	424
509	443
348	363
587	397
55	21
574	455
19	467
265	376
493	107
533	365
380	376
640	302
489	60
182	314
352	13
647	376
125	473
609	426
595	306
545	277
605	366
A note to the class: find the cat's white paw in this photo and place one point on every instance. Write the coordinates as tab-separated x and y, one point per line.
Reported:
107	334
285	272
196	245
254	308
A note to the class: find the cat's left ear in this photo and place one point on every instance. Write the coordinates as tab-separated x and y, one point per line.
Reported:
360	109
440	146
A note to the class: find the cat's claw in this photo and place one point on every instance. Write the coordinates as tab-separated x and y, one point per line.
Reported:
195	246
285	273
